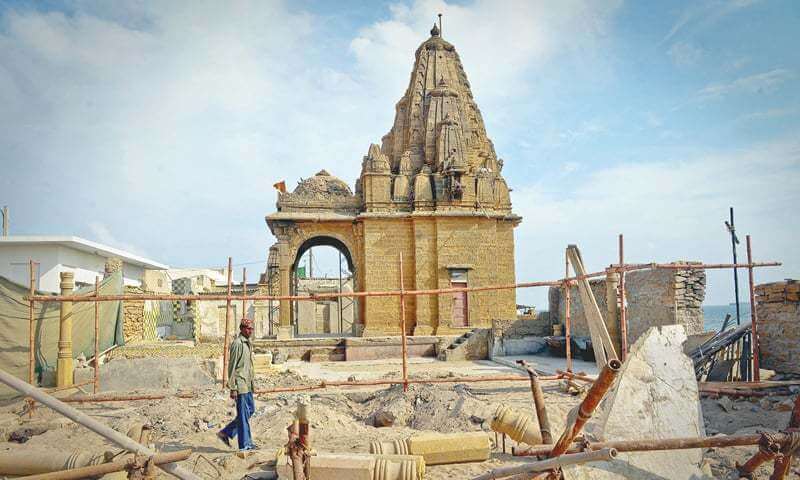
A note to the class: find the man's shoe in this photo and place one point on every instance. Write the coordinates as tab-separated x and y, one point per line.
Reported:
224	438
252	446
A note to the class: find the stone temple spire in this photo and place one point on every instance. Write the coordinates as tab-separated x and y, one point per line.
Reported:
438	141
438	87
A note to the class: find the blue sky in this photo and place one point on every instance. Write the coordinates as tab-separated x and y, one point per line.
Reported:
159	127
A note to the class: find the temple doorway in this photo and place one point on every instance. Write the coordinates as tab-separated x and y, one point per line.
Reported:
323	265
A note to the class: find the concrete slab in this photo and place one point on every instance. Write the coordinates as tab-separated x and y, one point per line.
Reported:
548	364
656	397
391	368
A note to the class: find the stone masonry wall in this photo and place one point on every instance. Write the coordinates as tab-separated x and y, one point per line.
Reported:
133	315
653	297
482	246
778	312
520	336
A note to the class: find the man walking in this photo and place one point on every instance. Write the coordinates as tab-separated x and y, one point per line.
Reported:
240	383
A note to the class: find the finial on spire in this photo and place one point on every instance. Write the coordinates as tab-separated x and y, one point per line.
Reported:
440	24
434	31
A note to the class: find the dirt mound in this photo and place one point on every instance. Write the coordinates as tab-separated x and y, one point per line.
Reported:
426	407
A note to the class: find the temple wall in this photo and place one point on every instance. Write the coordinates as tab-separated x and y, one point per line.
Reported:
384	240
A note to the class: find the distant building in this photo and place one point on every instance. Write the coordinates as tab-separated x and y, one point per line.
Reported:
56	254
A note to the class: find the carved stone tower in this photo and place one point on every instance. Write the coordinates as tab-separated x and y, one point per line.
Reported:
432	190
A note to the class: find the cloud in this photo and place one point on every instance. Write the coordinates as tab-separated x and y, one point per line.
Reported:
759	83
668	209
684	54
700	15
499	46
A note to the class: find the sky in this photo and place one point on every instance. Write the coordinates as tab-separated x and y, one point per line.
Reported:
160	127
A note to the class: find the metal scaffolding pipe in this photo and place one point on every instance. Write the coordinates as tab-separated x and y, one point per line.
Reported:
90	423
96	376
756	349
403	327
649	445
550	463
768	449
538	403
389	293
105	468
225	339
587	406
623	321
567	306
782	463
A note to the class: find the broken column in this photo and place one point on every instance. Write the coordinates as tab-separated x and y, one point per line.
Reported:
516	425
656	397
64	376
438	448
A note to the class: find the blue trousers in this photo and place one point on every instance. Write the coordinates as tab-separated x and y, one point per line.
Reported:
240	426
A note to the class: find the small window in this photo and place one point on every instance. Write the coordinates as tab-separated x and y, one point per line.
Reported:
160	283
458	275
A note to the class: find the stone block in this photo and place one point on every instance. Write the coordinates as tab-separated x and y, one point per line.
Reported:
656	397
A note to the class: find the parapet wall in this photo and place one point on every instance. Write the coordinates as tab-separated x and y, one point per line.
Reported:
778	313
653	297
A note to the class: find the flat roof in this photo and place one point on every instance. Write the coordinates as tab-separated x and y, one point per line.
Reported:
83	245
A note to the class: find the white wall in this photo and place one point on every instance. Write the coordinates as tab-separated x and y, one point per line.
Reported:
53	260
14	263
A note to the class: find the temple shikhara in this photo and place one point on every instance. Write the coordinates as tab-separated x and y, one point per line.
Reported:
432	191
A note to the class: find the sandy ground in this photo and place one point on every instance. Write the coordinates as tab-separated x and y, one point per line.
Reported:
341	419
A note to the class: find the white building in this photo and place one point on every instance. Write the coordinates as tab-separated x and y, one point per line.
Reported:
56	254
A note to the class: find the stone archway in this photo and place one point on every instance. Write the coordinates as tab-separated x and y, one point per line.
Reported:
326	317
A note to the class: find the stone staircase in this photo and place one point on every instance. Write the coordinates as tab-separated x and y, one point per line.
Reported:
472	345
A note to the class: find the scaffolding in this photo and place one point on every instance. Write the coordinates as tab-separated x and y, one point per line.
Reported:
619	268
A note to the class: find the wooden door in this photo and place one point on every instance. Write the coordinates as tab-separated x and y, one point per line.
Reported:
460	306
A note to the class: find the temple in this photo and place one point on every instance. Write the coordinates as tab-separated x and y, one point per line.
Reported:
432	192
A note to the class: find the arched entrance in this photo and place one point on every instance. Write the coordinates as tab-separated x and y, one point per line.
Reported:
323	264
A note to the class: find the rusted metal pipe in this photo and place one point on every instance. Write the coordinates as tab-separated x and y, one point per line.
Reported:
784	462
105	468
225	339
575	376
649	445
567	324
733	392
244	292
698	266
387	293
96	381
623	321
31	341
90	423
768	449
403	327
122	398
538	402
753	314
587	406
605	454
